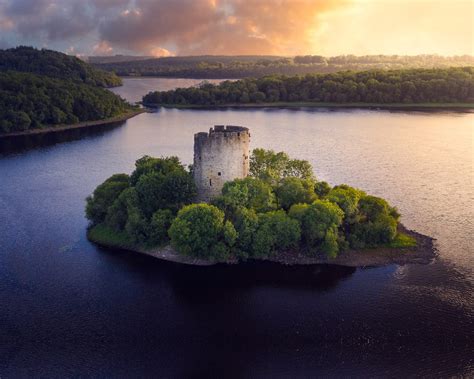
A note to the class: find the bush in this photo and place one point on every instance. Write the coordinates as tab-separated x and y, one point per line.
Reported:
246	223
275	232
249	193
377	224
271	167
293	190
319	225
199	231
158	191
104	196
159	225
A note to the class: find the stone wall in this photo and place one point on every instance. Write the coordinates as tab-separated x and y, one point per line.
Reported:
220	156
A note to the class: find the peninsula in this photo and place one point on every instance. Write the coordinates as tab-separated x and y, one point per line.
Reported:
232	206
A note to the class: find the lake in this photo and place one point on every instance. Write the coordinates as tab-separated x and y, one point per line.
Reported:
70	308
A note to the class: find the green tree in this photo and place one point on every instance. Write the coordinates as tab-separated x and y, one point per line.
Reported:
199	230
164	191
377	224
159	225
276	232
271	167
103	197
293	190
319	225
249	193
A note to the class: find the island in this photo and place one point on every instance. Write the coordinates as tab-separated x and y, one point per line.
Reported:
232	206
412	89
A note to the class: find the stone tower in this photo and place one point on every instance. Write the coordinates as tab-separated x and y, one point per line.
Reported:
220	156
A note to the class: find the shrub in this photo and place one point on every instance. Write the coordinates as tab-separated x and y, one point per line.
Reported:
319	225
293	190
104	196
199	231
275	232
159	225
249	193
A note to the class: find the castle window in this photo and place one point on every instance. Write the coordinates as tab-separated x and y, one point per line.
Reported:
238	134
219	173
210	182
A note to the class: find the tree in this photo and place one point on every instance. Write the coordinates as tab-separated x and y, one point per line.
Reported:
104	196
249	193
275	232
159	225
199	230
377	224
293	190
245	222
322	189
348	199
159	191
319	225
271	167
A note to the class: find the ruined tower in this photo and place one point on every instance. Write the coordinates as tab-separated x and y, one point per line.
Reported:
220	156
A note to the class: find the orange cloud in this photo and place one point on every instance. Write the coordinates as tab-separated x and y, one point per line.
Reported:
218	26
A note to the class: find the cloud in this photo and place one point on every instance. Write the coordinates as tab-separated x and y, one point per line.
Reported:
217	27
102	48
280	27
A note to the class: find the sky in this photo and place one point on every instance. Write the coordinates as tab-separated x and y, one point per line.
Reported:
239	27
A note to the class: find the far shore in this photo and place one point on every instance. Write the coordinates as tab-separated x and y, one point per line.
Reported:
423	253
80	125
423	107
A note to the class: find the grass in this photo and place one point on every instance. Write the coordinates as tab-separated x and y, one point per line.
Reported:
401	106
402	240
106	236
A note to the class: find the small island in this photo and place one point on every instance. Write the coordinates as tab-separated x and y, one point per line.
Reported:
230	206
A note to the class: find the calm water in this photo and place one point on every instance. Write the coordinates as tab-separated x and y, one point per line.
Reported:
133	89
69	308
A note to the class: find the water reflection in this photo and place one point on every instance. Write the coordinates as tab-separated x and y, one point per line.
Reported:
16	144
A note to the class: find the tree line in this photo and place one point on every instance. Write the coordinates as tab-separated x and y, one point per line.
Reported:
55	65
238	67
376	86
279	207
45	88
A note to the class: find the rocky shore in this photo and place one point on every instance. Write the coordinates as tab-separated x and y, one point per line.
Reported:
423	253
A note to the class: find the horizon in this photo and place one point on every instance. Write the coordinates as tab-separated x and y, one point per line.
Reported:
283	28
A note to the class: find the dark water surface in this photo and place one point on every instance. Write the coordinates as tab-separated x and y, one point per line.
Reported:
69	308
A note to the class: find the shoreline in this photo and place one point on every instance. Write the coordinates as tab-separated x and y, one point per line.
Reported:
80	125
423	253
421	107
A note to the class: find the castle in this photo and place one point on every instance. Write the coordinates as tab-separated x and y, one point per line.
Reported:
220	156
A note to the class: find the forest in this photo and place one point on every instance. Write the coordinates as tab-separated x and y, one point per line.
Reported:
280	207
45	88
30	101
450	85
55	65
238	67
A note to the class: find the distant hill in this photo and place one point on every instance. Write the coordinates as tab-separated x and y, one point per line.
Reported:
247	66
41	88
55	65
99	59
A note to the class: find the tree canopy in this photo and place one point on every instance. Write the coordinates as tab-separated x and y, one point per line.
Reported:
237	67
46	88
255	217
55	65
377	86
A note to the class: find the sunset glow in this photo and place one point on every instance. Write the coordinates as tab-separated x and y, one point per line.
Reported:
280	27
